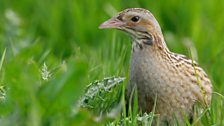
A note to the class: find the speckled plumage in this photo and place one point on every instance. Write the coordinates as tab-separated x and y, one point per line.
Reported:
178	82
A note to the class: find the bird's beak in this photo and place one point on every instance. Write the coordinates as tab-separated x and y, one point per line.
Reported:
111	23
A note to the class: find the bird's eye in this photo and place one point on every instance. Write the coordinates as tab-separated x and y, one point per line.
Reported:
135	18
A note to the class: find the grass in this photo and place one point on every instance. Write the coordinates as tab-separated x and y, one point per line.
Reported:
51	50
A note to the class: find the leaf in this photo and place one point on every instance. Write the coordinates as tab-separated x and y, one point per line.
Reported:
101	96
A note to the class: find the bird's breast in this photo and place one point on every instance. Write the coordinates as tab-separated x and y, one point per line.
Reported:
153	75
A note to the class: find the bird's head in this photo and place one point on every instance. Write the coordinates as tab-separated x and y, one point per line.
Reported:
137	22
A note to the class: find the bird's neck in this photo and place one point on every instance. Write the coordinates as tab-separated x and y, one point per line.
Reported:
153	41
158	41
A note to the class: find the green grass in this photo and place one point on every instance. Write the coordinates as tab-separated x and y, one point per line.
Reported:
64	36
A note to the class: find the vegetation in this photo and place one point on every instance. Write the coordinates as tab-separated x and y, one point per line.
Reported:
51	50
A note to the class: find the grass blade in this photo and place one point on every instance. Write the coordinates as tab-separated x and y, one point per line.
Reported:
2	59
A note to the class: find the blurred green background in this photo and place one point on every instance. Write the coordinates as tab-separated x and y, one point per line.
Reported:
53	49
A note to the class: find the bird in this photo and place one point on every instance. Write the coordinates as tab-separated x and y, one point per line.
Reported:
172	82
